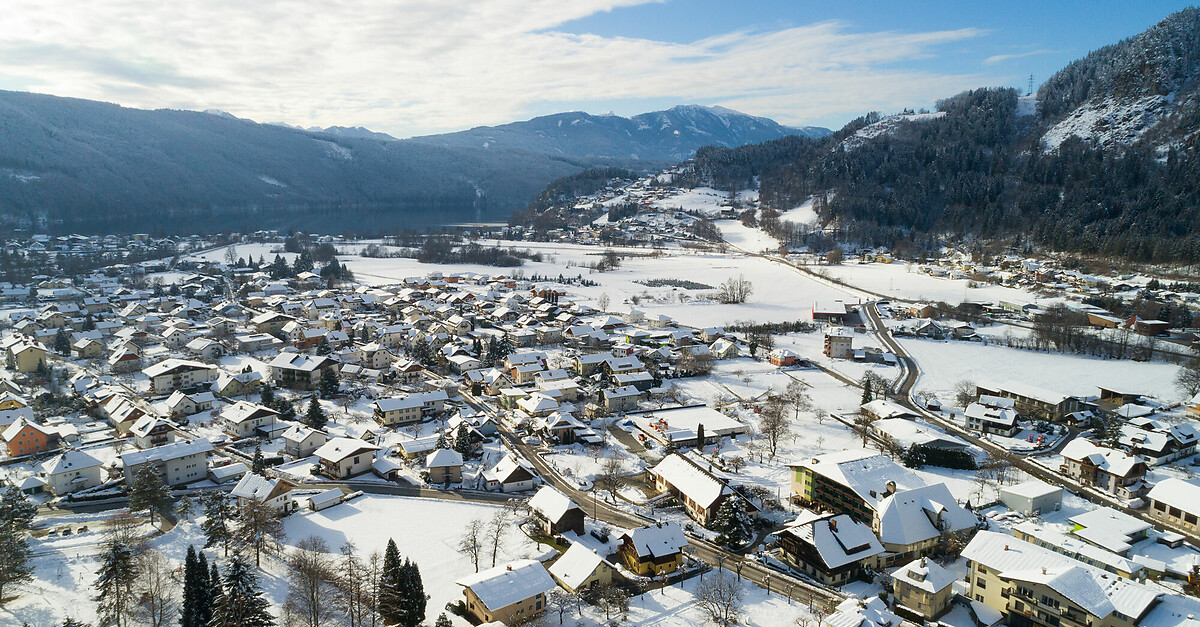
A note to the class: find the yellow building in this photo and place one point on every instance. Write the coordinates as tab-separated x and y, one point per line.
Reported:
654	549
580	568
511	593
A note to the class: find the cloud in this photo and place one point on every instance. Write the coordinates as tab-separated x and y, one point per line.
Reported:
1000	58
419	66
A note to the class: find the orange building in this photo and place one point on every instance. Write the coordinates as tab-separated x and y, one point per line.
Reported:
24	437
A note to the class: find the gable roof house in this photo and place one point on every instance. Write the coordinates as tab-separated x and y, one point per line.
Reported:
580	568
511	474
271	491
653	549
174	374
1116	472
557	512
177	464
834	549
509	593
150	431
72	471
301	441
243	418
341	458
300	372
700	492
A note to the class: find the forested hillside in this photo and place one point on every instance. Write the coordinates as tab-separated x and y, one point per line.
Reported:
1066	172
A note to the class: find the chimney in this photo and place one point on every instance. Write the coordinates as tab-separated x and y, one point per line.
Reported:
1006	547
1043	570
922	562
833	524
509	567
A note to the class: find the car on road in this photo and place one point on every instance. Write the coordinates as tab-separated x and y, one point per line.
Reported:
532	440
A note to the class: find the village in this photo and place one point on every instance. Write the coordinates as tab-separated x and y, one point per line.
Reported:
860	441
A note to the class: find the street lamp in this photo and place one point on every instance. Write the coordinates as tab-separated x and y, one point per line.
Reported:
739	570
767	583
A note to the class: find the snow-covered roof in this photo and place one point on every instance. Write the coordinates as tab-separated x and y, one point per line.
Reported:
691	480
917	514
838	539
338	449
551	504
925	574
444	458
70	461
258	487
1031	489
167	452
865	472
1114	462
657	540
1177	493
509	583
1109	528
575	565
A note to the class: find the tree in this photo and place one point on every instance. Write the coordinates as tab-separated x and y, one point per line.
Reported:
866	395
218	510
89	322
562	602
964	392
462	441
353	589
611	470
732	523
258	529
796	395
62	342
311	597
266	396
196	609
323	347
691	364
412	597
315	416
773	424
734	291
443	621
16	559
231	256
389	584
602	303
115	598
1188	378
495	531
156	586
241	603
471	543
862	425
720	595
258	464
148	492
612	599
834	256
329	384
185	507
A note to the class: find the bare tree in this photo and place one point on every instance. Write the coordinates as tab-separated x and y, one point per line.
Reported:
773	424
1188	378
562	602
471	543
834	256
734	291
603	302
311	574
796	394
496	527
964	392
157	586
720	596
258	529
611	469
862	425
353	587
125	528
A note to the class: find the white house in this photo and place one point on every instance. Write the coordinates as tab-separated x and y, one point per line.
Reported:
178	463
346	457
301	441
242	418
72	471
272	491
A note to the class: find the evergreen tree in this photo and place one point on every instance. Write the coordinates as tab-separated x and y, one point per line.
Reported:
443	621
315	416
218	510
89	323
16	559
148	492
732	524
389	585
462	441
241	603
304	262
194	609
259	464
266	396
330	386
62	342
71	622
115	599
866	395
412	597
323	347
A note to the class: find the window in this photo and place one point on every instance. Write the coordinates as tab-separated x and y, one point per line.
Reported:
1175	513
979	597
980	582
1018	606
982	569
1160	506
1189	519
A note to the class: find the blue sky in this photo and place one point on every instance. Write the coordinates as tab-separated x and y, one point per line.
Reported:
411	67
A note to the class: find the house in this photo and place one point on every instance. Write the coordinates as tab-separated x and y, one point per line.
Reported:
724	348
1031	585
87	348
923	590
832	312
151	431
205	348
994	415
238	384
511	593
12	407
125	359
833	549
181	404
557	513
910	518
26	355
175	374
26	437
1032	498
1116	472
244	419
1176	503
72	471
699	491
883	409
511	474
1158	443
782	357
271	491
321	500
869	612
410	408
301	441
654	549
680	426
177	464
1031	400
300	372
580	568
341	458
445	466
621	399
839	343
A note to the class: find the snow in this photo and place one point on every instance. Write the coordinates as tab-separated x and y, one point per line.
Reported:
945	363
803	213
1108	122
905	281
886	126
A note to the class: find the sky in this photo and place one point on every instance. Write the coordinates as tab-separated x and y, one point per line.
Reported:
414	67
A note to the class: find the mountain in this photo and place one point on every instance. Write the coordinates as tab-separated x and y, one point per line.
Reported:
86	164
671	135
1104	160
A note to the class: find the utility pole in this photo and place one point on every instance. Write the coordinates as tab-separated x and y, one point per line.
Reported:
1030	91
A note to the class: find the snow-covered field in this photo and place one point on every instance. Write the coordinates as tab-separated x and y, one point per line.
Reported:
945	363
903	281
